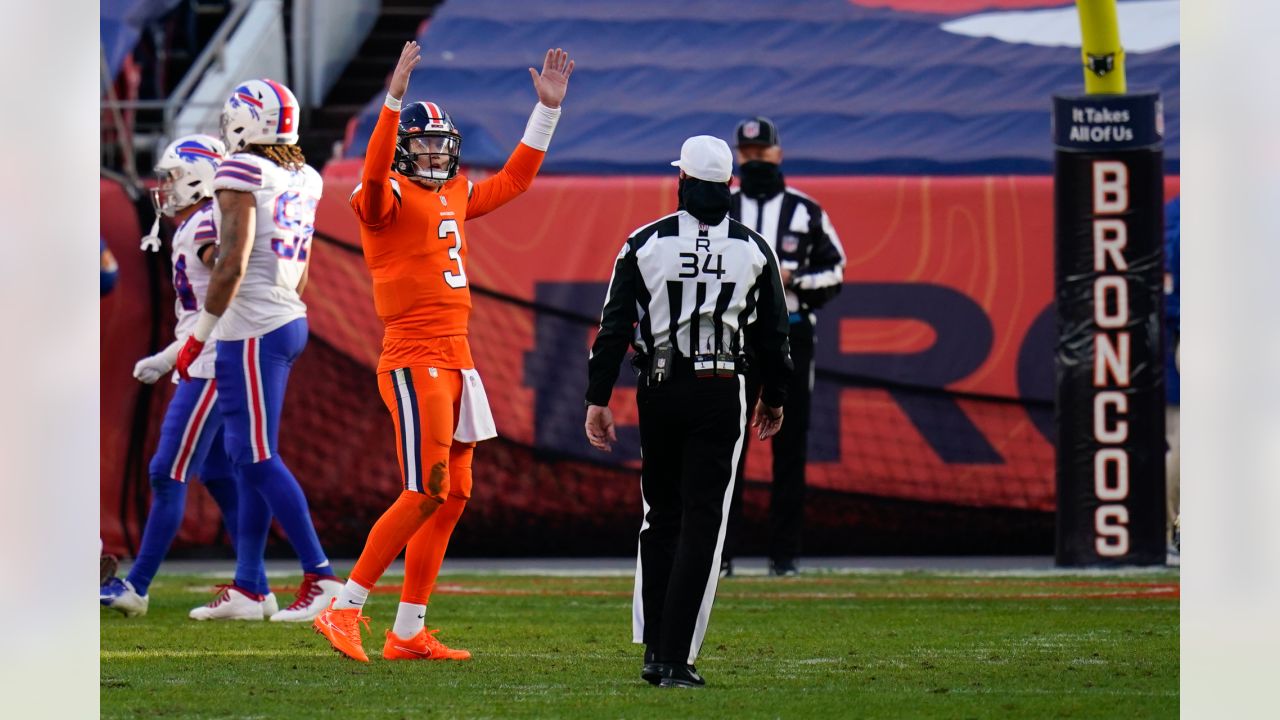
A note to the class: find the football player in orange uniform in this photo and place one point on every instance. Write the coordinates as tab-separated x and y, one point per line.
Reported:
412	231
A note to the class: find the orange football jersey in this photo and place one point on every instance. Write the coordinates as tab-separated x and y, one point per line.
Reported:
414	243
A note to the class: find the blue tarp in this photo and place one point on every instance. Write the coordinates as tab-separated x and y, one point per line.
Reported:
120	24
854	89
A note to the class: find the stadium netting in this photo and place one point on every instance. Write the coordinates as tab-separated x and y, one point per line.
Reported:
875	486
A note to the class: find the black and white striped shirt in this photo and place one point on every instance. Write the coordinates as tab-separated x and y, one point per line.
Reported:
698	289
804	241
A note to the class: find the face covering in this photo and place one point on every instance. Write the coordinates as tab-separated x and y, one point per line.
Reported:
707	201
760	179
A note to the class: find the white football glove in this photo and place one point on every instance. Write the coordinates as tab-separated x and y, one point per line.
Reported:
153	367
150	369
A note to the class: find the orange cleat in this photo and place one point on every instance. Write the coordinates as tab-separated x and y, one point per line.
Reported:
342	629
423	646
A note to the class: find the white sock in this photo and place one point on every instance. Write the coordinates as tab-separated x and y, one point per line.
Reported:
352	595
410	619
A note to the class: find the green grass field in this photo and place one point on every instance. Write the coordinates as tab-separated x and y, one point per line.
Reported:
882	645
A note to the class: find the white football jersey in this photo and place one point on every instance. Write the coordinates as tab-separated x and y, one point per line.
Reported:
191	281
286	218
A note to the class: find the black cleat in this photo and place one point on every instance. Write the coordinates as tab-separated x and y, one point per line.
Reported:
652	670
678	675
726	568
783	568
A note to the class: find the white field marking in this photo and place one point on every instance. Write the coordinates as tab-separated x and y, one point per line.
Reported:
524	572
109	716
771	600
191	653
324	651
1064	639
1073	691
753	574
1038	573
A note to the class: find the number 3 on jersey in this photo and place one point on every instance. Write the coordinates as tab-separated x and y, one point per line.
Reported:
459	279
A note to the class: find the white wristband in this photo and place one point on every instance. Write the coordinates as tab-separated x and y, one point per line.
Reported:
392	102
170	354
542	125
205	324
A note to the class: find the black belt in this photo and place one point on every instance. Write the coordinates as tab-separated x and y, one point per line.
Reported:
708	365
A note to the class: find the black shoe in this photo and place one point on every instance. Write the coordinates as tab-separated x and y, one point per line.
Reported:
726	568
783	568
681	676
652	670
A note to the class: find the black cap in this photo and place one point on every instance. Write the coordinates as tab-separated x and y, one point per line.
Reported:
757	131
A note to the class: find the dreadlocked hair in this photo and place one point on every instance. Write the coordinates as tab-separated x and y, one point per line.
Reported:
286	156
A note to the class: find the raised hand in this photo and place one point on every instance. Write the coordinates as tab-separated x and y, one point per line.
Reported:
409	57
554	80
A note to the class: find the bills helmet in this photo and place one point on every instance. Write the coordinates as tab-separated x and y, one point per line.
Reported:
260	112
185	173
427	133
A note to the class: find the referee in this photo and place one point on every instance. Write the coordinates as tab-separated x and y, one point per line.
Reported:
693	293
799	232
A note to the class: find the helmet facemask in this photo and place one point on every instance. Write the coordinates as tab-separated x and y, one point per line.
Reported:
175	190
230	136
431	156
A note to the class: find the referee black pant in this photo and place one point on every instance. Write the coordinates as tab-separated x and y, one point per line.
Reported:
692	433
790	456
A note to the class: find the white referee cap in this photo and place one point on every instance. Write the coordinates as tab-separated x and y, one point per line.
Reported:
706	158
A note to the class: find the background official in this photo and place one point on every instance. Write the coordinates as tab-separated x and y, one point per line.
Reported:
812	261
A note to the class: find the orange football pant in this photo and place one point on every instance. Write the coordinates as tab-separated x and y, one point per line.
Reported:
436	475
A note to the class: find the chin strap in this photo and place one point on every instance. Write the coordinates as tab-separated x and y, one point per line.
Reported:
151	241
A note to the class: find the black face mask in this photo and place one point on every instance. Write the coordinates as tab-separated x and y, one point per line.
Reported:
707	201
760	179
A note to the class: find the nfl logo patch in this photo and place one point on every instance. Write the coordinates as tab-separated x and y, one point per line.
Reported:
751	130
443	200
790	243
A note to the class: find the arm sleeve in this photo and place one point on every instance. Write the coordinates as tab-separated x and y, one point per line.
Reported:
518	173
768	334
515	177
823	276
376	200
617	326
